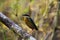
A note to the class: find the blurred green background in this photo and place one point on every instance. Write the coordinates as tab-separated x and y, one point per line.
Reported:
43	13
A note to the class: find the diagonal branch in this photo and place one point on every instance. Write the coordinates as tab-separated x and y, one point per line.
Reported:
11	25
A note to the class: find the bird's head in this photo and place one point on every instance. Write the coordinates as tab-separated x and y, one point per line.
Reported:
25	16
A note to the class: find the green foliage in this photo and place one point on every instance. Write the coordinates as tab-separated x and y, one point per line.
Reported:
2	1
19	7
3	32
5	38
32	1
26	10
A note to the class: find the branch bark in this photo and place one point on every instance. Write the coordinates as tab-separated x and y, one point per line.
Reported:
13	26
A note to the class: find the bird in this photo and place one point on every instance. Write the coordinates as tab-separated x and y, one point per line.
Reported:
29	22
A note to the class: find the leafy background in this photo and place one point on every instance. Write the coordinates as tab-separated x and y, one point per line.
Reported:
41	11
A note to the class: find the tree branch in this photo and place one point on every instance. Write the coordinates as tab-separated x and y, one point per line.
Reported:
11	25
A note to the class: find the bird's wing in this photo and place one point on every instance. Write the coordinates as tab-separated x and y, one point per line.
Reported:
32	23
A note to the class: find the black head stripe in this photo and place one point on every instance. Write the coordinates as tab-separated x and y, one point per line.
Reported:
25	15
